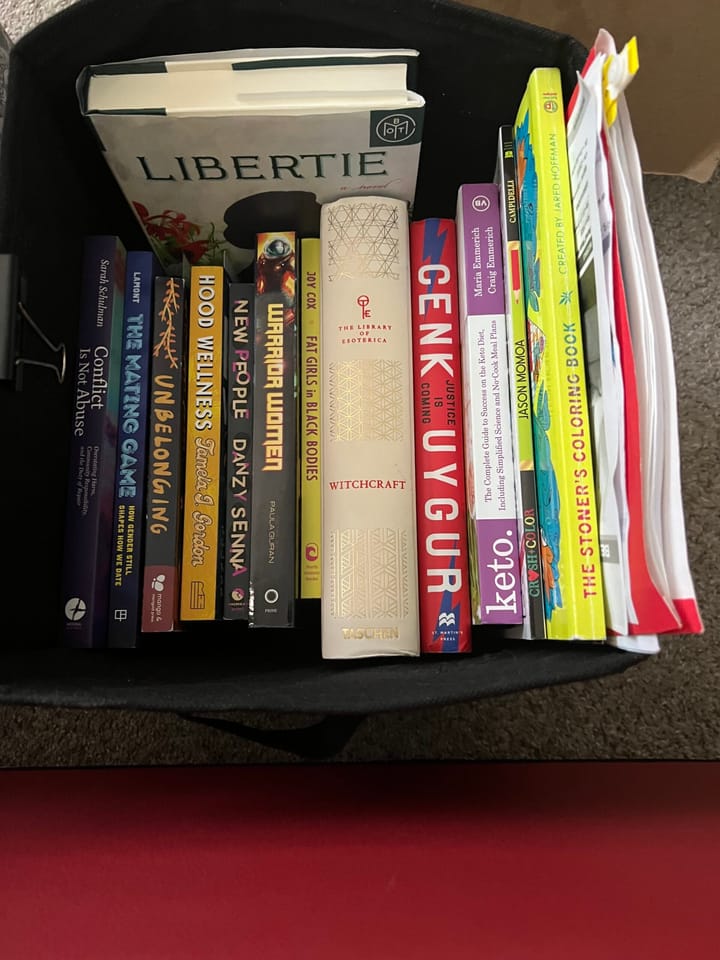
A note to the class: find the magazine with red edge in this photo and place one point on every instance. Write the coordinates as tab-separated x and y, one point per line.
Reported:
445	623
654	613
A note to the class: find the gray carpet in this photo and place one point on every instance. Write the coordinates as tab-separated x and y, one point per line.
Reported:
668	707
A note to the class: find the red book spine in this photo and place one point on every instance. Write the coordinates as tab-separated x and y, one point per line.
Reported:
445	624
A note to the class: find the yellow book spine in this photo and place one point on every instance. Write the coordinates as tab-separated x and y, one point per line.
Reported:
310	490
570	554
203	449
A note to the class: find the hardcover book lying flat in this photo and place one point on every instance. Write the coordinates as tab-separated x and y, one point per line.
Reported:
210	149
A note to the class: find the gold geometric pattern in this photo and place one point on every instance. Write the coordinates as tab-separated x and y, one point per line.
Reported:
364	399
363	240
369	573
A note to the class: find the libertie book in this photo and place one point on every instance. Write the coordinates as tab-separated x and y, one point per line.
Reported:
443	574
204	476
165	469
273	547
239	386
492	523
520	402
310	412
93	445
369	605
572	575
210	149
129	511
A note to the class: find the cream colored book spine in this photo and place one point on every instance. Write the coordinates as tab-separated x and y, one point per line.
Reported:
369	543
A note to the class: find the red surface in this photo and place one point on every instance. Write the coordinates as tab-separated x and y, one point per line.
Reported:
440	861
439	440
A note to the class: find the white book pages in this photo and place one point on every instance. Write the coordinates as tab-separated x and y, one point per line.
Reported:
647	644
650	327
672	512
652	432
241	81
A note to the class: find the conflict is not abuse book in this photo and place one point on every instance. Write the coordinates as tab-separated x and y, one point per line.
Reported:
93	444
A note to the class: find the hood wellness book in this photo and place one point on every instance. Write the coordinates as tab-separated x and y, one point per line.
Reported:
211	148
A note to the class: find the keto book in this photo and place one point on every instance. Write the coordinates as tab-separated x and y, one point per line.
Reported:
567	509
495	584
210	149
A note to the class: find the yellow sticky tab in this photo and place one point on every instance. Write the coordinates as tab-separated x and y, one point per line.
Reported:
618	71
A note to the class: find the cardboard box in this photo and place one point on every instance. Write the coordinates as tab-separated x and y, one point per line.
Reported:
673	99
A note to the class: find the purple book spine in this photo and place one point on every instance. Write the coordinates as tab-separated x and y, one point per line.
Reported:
488	421
93	447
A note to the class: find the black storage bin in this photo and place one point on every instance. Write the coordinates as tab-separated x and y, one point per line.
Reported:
56	188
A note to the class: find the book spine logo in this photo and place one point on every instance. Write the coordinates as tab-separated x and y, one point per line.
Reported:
363	301
391	129
395	129
75	609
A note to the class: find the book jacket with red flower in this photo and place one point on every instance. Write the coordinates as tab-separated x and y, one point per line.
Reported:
445	623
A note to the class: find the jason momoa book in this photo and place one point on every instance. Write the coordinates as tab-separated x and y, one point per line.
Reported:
211	149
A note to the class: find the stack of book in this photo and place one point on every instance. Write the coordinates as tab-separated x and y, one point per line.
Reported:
430	427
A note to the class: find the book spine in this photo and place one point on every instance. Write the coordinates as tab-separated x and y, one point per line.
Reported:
567	509
273	547
129	512
166	444
369	604
444	593
520	397
203	445
310	505
239	359
93	446
492	502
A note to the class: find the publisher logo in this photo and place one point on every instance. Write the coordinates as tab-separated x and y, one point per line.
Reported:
237	595
75	609
550	106
394	129
363	301
312	553
271	596
480	203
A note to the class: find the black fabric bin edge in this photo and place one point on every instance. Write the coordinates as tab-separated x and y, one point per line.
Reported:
67	678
